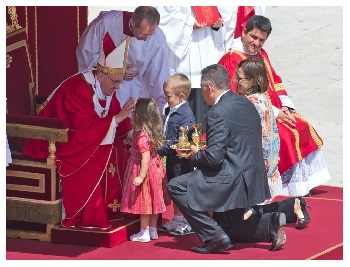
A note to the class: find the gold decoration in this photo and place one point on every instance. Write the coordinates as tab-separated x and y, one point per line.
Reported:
196	135
116	70
11	10
37	132
183	139
183	146
111	169
114	206
51	159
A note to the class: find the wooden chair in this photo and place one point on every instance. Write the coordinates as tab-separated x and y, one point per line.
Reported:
33	191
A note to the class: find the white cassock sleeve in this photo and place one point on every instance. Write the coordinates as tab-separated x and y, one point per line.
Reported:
287	101
177	27
88	48
109	138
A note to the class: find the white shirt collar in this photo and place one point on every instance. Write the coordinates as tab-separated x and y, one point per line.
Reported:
173	109
238	45
218	99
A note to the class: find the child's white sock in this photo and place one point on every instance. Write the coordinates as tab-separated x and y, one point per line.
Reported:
144	232
178	218
153	229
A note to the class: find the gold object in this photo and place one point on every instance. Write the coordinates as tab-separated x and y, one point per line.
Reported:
183	139
183	146
185	151
196	135
111	169
114	206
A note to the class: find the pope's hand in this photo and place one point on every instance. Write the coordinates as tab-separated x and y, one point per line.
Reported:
127	108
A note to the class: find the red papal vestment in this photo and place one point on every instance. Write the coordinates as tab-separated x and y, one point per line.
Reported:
295	142
91	173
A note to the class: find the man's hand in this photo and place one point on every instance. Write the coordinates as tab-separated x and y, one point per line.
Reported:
199	26
218	24
129	74
193	152
285	115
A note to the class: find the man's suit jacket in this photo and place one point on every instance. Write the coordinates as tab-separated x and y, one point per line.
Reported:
231	171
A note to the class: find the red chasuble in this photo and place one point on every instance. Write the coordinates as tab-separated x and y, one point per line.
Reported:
295	142
91	173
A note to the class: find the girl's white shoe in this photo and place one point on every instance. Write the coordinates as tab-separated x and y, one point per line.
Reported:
139	237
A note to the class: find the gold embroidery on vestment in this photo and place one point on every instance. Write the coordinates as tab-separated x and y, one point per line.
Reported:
111	169
115	205
313	133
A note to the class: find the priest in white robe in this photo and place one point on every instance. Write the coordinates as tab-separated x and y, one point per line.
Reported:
147	51
191	48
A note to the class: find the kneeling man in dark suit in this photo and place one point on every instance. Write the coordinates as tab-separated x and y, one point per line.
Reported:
230	175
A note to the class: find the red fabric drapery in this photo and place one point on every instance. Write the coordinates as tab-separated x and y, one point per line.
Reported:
243	14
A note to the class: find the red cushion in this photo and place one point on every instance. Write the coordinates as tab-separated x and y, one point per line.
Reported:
37	121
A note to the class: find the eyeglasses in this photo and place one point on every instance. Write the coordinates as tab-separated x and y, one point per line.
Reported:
115	82
238	79
136	32
141	35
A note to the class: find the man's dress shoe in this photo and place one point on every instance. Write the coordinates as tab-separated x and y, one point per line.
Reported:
215	245
277	234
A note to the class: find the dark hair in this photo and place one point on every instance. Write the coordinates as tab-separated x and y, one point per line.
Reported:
254	68
148	13
259	22
216	75
147	117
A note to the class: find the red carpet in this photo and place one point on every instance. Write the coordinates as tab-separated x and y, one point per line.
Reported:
322	240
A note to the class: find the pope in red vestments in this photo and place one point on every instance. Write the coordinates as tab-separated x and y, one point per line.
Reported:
297	136
91	164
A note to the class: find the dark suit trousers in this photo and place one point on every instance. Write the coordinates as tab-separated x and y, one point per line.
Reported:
201	222
286	206
255	229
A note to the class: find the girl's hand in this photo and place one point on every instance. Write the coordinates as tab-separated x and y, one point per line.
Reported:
137	181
